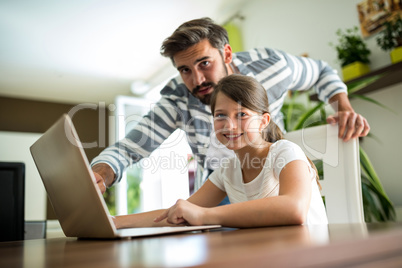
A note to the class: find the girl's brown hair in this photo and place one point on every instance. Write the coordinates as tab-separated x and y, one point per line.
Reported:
249	93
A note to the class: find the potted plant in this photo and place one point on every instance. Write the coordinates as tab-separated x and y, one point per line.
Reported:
390	39
353	53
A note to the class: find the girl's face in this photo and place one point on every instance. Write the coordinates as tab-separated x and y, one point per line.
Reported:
237	127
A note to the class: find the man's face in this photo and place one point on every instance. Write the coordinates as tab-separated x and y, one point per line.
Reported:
201	66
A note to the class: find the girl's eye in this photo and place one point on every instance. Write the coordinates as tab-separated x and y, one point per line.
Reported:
220	116
241	114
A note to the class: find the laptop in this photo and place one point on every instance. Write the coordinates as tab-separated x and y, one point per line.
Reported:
72	191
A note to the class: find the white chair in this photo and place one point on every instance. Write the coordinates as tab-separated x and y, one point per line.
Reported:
341	185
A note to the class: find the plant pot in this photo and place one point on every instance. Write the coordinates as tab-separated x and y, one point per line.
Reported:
354	70
396	54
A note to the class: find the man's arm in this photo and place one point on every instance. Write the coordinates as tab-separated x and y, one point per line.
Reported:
148	134
351	124
104	176
331	89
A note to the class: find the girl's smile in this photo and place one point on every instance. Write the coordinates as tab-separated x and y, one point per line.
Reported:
232	137
236	126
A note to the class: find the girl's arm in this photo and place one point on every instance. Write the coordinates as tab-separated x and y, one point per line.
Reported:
290	207
207	196
193	210
145	219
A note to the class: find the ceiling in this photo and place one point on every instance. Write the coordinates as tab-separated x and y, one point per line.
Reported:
91	50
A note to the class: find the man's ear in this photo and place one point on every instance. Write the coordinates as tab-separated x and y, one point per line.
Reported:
266	118
227	54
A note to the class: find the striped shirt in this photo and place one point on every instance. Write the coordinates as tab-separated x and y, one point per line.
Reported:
277	71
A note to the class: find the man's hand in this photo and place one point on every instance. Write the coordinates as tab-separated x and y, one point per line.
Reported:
101	182
104	176
351	124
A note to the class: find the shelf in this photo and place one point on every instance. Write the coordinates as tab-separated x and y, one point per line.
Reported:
389	75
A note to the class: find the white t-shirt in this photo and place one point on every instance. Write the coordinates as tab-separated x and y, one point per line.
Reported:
229	179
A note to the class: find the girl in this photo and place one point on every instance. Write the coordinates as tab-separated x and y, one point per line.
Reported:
269	182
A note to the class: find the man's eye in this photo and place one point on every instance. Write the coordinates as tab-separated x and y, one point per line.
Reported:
184	70
205	63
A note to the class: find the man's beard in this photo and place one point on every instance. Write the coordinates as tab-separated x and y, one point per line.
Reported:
205	99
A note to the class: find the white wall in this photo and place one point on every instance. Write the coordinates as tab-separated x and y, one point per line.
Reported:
303	26
308	26
15	148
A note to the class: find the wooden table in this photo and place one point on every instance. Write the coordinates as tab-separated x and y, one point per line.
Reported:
341	245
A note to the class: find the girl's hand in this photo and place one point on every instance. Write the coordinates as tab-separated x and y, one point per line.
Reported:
183	212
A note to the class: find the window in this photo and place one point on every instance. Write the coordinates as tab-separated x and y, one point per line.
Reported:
154	182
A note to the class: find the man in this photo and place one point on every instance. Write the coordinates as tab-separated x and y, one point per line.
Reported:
200	51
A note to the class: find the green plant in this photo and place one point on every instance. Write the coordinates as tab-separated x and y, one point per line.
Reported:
391	36
299	113
134	178
351	47
110	200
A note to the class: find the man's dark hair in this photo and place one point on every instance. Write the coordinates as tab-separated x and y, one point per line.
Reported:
193	32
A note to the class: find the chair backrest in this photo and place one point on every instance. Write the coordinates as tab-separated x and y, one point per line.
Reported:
341	184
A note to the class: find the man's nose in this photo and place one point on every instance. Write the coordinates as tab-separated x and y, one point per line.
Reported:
198	78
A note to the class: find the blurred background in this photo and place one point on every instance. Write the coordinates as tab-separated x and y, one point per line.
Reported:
55	55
